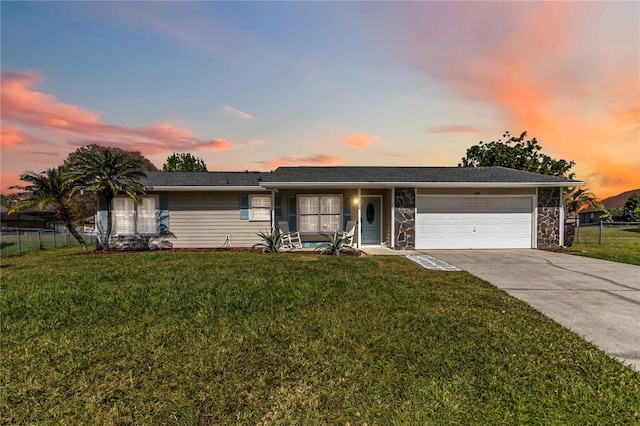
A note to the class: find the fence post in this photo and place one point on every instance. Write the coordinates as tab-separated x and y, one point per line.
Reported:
66	234
53	232
18	235
39	242
579	231
601	232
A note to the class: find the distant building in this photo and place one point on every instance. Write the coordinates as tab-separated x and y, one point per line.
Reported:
592	215
29	219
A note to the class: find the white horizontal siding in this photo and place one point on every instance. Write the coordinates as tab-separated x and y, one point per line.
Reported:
201	220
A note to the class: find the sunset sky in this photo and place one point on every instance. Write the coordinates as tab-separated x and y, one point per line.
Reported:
257	85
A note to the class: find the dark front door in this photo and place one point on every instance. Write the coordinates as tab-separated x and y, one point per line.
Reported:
371	220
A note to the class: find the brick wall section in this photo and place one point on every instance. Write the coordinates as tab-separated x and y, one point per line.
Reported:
549	226
405	219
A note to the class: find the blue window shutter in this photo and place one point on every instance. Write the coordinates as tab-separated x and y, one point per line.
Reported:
103	210
244	207
292	217
163	216
346	210
278	207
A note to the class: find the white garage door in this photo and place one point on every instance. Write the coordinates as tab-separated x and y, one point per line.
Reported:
463	222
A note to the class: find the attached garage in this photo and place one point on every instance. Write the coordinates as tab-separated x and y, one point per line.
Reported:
474	221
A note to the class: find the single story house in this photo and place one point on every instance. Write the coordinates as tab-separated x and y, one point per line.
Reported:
26	220
591	215
395	207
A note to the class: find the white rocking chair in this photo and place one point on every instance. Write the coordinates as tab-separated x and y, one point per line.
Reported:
349	231
289	240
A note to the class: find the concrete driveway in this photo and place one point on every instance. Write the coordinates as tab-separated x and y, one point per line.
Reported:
597	299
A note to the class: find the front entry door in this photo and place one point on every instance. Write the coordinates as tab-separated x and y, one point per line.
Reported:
371	220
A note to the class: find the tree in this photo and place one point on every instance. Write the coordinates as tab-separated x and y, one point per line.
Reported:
49	191
9	200
184	162
145	163
516	153
85	205
575	199
631	209
106	172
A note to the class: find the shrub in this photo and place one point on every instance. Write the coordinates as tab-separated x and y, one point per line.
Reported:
270	242
336	243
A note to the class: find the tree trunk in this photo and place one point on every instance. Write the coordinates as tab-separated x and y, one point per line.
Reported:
107	237
66	219
76	235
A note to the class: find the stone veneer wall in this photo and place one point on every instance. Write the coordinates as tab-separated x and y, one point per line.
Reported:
139	243
405	218
549	226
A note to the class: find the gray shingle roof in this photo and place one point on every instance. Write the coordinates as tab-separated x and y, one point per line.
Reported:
408	175
155	179
353	175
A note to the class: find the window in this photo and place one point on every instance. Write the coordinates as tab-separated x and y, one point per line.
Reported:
129	218
123	216
319	213
260	207
147	216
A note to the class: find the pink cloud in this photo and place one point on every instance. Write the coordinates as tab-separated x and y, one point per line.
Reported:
361	140
237	113
256	142
543	69
217	145
461	129
25	107
12	137
312	160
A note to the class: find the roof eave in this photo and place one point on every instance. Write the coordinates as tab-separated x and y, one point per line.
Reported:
278	185
194	188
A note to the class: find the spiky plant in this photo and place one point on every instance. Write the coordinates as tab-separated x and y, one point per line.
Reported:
271	242
336	243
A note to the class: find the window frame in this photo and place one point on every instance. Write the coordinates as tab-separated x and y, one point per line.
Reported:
115	215
266	218
156	208
135	216
319	215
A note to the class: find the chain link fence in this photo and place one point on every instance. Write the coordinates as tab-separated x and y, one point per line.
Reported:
606	232
15	241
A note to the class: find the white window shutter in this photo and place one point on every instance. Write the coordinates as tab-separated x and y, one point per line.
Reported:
123	211
147	215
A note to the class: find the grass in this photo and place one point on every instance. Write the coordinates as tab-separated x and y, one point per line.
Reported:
620	243
12	245
245	338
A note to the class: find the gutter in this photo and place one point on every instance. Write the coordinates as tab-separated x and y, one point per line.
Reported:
267	186
421	184
192	188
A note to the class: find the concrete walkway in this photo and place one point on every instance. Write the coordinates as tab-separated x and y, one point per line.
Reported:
597	299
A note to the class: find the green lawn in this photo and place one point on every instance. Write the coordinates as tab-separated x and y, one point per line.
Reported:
244	338
620	243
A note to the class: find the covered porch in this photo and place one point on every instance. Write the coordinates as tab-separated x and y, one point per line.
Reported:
315	212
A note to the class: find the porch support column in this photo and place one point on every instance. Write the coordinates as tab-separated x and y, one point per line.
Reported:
273	209
359	216
393	218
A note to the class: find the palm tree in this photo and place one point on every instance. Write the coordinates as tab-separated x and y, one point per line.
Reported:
576	198
108	173
49	191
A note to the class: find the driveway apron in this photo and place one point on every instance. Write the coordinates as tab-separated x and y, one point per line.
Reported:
597	299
